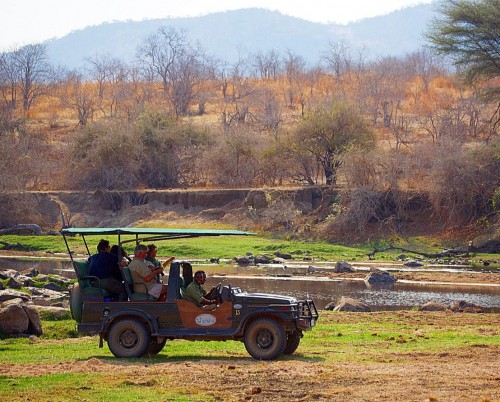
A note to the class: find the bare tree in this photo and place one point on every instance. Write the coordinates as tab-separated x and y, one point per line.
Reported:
267	65
8	79
33	71
294	66
159	52
167	54
80	96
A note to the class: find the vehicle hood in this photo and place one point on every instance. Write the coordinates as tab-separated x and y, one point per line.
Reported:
264	298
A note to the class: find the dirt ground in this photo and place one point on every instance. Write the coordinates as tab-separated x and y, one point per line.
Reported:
470	373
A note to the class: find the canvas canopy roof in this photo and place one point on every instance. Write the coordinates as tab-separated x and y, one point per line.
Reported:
146	234
163	232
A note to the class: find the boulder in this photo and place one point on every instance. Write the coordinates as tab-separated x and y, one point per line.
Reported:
10	294
52	286
465	307
243	260
285	256
30	272
8	273
413	263
212	213
14	283
342	266
378	276
433	306
349	304
17	318
262	259
46	296
23	229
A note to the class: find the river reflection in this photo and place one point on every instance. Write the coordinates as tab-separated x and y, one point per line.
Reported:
396	297
401	295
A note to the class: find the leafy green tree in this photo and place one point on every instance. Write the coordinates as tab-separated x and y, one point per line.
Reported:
327	134
469	32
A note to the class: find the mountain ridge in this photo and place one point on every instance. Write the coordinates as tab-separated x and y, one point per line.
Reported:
251	30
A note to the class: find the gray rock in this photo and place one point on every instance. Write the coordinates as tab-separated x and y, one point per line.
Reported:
10	294
262	259
349	304
52	286
433	306
28	282
378	276
18	318
243	260
285	256
465	307
342	266
32	272
413	263
212	213
8	273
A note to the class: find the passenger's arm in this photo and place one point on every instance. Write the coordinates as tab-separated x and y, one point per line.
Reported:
152	274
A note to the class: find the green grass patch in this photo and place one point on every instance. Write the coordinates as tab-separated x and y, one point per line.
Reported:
87	387
231	246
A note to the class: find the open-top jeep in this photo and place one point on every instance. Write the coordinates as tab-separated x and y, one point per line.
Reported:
269	325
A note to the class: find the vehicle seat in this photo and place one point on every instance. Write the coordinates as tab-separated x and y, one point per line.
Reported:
226	293
88	291
129	286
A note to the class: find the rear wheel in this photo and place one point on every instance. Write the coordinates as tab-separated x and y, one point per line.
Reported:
155	347
128	338
292	342
265	339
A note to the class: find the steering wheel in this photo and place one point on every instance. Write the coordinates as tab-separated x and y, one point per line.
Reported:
215	293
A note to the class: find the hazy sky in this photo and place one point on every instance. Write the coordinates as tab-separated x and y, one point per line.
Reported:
33	21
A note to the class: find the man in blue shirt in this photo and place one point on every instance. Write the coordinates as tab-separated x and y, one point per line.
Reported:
106	267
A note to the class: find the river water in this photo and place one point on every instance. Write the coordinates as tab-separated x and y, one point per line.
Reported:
291	280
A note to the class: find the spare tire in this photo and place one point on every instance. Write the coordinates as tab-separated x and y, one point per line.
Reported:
76	302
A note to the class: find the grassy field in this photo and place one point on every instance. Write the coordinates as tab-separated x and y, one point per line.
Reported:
231	246
404	355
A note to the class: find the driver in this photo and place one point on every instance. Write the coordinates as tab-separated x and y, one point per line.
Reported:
196	294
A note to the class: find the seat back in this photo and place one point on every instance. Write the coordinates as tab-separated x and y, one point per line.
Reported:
89	291
129	286
82	270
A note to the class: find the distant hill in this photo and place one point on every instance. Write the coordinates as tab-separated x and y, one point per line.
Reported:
226	34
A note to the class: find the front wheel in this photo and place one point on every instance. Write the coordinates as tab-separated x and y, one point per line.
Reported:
155	347
128	338
265	339
292	342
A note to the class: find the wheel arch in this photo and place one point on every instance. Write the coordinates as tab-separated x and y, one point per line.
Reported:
270	315
150	323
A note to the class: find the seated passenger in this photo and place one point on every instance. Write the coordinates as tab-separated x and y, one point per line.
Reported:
106	267
120	251
143	277
151	257
195	292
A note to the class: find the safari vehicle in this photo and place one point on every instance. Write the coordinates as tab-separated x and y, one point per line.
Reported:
269	325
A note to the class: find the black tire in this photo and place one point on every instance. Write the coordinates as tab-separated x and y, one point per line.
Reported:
292	342
265	339
128	338
155	347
